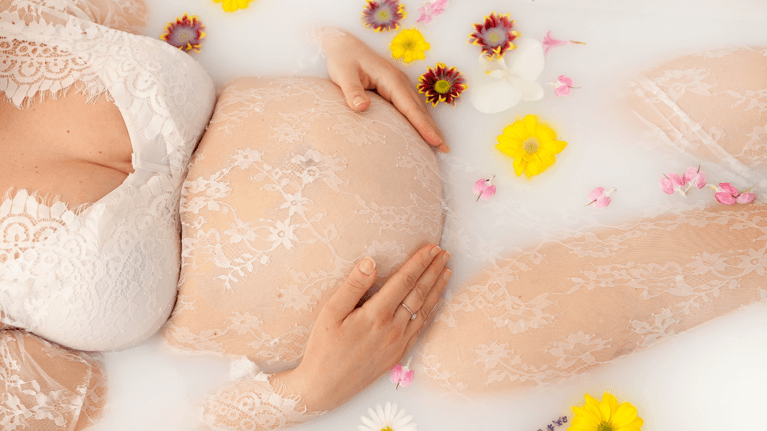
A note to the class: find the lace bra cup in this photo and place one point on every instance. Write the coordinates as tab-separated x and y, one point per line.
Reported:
101	277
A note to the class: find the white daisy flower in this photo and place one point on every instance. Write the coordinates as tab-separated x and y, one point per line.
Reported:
387	419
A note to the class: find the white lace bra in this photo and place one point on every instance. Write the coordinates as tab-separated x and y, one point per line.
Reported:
103	277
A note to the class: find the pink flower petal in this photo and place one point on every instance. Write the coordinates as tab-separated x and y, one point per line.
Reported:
425	17
479	186
597	193
724	198
566	80
549	42
396	373
666	185
690	174
728	188
407	378
562	90
746	198
488	192
676	180
700	180
602	202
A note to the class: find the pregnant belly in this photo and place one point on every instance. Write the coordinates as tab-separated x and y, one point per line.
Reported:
288	190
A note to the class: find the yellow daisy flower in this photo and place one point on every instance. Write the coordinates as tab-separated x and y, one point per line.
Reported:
532	145
409	45
233	5
607	415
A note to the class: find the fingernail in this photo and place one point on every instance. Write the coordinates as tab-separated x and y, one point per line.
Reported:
448	273
359	100
434	251
446	257
367	266
444	148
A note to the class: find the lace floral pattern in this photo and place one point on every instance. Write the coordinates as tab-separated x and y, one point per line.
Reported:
69	394
255	404
284	195
54	259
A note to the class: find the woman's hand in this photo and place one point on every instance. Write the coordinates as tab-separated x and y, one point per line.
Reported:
355	67
351	347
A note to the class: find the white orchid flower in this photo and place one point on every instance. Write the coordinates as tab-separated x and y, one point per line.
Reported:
505	82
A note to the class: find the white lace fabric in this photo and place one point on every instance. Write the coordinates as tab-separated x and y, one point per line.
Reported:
102	276
288	189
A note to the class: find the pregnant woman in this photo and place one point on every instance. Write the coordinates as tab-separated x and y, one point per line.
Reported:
287	194
95	139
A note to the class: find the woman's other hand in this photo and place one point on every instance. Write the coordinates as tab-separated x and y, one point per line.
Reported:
350	346
355	67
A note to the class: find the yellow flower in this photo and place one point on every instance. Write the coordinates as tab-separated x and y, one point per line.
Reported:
233	5
532	145
409	45
605	416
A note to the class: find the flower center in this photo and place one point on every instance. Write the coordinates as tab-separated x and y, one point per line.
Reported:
442	86
409	45
495	36
387	428
605	427
531	147
184	35
384	15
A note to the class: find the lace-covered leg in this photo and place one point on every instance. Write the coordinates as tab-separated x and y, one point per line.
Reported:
125	15
288	189
44	387
569	305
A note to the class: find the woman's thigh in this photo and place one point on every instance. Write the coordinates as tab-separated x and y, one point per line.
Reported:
287	190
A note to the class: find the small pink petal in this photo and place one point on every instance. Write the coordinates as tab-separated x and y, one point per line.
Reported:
407	378
690	174
676	180
562	90
746	198
549	42
728	188
488	192
666	185
724	198
479	186
603	202
566	80
425	18
597	193
700	180
396	373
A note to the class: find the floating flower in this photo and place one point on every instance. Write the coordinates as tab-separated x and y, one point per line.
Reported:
431	9
605	416
387	419
484	188
532	145
441	84
409	45
599	196
383	16
185	34
503	83
495	35
563	86
674	183
550	42
233	5
559	422
402	375
729	195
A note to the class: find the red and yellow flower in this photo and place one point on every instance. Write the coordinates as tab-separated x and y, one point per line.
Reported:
384	15
441	84
185	34
495	36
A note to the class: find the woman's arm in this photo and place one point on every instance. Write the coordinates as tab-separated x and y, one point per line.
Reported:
348	349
